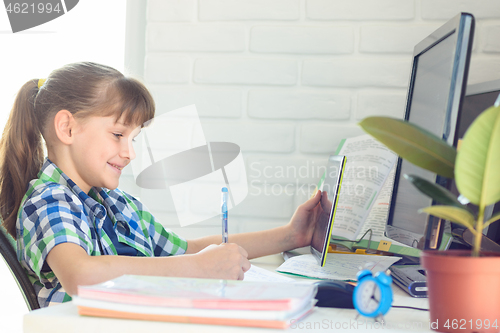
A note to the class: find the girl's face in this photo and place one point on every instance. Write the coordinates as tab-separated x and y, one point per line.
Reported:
102	147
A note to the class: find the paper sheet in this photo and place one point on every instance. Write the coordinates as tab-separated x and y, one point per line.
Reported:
368	165
337	266
260	274
377	217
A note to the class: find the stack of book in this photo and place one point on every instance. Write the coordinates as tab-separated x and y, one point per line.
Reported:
201	301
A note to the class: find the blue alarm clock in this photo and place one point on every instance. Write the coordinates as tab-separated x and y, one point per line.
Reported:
372	296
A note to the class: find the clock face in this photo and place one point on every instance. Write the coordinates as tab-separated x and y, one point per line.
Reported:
368	296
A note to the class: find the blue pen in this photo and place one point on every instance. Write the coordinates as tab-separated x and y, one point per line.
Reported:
224	215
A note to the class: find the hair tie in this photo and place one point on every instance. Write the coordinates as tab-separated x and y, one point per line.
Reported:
41	82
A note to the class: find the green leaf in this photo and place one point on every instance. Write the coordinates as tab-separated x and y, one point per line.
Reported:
436	192
478	160
413	144
492	219
454	214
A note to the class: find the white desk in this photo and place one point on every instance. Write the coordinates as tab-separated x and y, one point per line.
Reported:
64	318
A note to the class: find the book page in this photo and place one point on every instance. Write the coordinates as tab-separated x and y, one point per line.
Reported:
377	217
368	165
191	291
256	273
337	266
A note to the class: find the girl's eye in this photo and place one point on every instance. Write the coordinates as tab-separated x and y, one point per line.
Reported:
118	135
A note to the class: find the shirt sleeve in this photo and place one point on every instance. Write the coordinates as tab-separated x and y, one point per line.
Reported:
47	219
164	241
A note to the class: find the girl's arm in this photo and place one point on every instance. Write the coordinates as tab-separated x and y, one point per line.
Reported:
73	266
297	233
203	259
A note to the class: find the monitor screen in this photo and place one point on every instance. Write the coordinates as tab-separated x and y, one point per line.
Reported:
435	92
478	98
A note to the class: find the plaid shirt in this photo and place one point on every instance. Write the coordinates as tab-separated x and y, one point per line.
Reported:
55	210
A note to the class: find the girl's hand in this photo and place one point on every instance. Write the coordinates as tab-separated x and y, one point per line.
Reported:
301	226
223	261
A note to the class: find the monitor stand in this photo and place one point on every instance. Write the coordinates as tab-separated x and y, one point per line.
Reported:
465	237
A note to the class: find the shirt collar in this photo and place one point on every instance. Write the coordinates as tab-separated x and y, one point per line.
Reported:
51	173
101	195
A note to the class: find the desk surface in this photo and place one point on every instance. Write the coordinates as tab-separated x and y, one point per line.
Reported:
64	318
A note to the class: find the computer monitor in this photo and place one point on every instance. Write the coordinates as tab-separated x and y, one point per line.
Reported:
478	98
435	94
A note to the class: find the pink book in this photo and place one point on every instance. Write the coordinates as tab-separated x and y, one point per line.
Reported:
200	293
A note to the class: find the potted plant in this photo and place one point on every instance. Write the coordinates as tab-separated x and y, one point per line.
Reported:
463	286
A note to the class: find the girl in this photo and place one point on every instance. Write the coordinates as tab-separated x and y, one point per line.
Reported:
72	225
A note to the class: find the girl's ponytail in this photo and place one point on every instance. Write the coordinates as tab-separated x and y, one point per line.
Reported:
21	154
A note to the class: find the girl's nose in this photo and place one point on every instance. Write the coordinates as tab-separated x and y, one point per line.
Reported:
128	150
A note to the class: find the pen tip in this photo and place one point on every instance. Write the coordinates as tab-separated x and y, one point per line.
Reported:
224	189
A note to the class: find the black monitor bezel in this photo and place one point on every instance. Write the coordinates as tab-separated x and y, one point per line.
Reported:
463	25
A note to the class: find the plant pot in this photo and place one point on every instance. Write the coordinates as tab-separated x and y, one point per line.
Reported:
463	291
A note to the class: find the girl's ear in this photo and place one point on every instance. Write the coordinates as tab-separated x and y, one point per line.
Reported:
64	123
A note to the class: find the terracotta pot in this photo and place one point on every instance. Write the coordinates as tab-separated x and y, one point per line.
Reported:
463	291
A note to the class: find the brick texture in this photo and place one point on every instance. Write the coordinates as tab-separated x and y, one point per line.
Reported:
380	104
446	9
360	10
359	72
395	38
285	104
210	102
492	39
324	138
171	10
196	37
286	80
167	69
234	10
300	39
228	70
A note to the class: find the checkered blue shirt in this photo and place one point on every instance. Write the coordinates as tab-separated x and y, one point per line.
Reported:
55	210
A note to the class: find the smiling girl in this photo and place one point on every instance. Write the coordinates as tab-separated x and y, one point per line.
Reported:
72	224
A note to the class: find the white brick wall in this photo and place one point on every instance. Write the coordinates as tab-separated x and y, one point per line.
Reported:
167	69
171	10
246	70
357	72
196	37
286	80
275	137
360	10
239	10
492	38
443	9
298	104
302	39
396	38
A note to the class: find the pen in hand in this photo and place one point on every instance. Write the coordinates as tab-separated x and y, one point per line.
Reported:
224	215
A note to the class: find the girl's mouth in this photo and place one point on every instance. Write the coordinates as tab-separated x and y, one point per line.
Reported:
116	166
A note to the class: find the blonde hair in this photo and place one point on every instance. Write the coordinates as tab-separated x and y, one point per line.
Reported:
84	89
